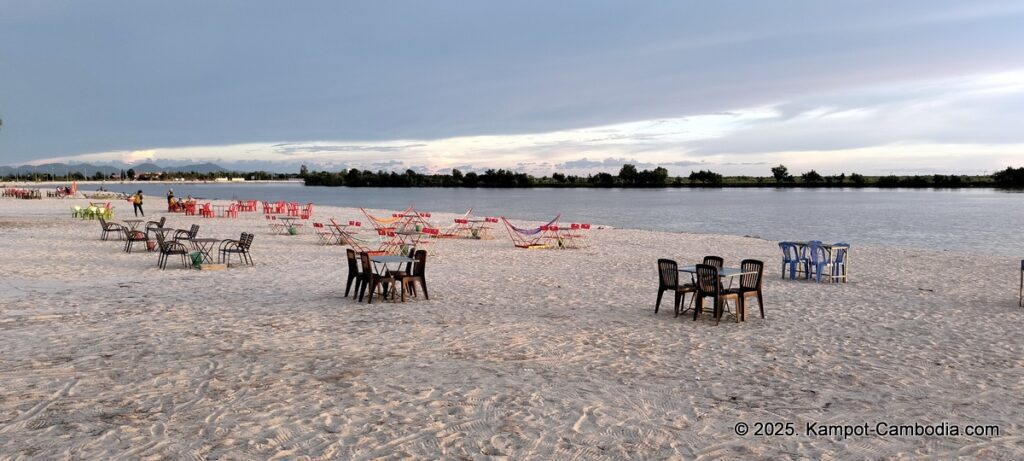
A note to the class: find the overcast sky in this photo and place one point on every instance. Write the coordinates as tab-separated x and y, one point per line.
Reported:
735	86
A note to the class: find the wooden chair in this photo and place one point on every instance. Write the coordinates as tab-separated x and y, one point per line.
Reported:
417	274
708	286
668	279
750	285
239	247
170	248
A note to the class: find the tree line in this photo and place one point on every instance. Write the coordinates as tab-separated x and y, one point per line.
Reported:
630	177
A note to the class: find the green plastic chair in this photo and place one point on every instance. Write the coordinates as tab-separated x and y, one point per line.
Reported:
76	212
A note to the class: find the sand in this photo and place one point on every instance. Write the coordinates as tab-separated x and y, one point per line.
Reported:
519	354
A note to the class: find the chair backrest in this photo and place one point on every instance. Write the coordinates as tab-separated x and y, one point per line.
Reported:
716	261
353	267
318	225
817	253
585	226
707	280
668	273
420	267
364	258
160	241
245	241
103	222
789	252
193	231
162	221
840	250
751	281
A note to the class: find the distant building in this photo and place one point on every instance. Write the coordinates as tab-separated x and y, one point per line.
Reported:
147	176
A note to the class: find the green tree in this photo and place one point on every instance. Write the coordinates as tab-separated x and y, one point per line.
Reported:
628	174
811	177
781	173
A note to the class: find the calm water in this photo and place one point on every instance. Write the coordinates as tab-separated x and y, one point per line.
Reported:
987	220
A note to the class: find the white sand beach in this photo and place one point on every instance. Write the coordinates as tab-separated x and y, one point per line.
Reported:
519	354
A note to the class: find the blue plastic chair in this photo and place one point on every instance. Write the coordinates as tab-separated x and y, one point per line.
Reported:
839	264
817	260
791	258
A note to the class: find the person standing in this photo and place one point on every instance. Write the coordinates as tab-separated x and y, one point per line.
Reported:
137	204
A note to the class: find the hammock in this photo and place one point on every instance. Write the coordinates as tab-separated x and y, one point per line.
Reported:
385	223
528	238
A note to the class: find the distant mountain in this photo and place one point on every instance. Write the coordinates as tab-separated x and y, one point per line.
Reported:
86	169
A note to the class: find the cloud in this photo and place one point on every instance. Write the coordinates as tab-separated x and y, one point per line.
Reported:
211	75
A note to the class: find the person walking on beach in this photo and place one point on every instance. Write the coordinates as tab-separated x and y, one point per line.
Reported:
137	203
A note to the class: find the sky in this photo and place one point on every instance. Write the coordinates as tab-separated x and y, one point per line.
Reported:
876	87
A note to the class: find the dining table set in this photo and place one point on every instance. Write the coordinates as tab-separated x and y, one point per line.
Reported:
824	262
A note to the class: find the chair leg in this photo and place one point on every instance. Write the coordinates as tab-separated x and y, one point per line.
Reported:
348	284
678	294
657	303
699	307
760	302
423	283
